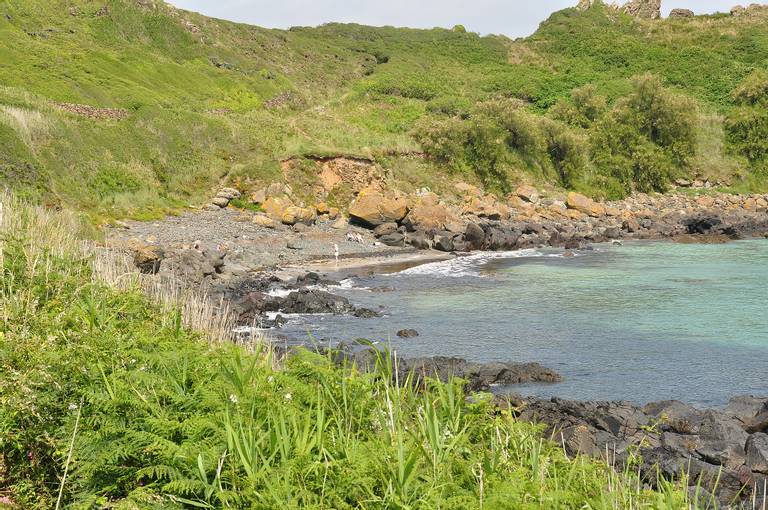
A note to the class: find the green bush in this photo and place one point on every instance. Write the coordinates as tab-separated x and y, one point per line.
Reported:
646	138
584	107
747	125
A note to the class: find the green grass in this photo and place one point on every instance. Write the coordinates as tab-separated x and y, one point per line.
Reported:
109	401
211	101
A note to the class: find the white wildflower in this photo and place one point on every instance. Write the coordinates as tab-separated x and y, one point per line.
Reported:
73	407
288	396
233	399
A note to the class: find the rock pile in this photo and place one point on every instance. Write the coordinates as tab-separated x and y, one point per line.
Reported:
224	197
526	219
93	112
726	451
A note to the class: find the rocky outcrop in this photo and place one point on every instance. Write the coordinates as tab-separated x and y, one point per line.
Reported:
724	451
681	13
646	9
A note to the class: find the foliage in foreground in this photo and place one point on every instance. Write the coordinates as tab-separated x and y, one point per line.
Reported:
106	401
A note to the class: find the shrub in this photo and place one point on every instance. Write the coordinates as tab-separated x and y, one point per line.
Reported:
567	151
753	90
584	107
747	125
646	138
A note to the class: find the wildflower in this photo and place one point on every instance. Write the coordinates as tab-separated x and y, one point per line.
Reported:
233	399
270	379
288	396
73	407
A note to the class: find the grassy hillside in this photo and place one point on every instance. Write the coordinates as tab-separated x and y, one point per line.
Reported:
203	101
109	401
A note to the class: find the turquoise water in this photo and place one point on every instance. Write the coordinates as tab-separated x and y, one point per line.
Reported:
640	322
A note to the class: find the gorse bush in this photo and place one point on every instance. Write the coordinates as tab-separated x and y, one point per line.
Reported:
638	144
108	403
646	139
747	125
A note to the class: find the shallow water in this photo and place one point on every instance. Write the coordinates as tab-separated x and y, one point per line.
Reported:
640	322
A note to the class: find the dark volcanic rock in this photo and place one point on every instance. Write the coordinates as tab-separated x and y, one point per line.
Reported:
418	240
444	241
393	239
474	237
480	376
385	229
713	447
314	302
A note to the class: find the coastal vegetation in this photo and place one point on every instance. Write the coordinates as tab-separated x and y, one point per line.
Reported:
110	400
136	108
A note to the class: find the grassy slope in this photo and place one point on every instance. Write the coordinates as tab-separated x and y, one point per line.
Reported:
140	412
211	100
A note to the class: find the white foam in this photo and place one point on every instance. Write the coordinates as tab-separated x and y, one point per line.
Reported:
471	265
348	284
281	293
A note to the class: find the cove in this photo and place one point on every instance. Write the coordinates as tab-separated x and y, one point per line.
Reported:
642	322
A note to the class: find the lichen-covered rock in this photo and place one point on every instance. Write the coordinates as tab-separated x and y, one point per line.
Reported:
681	13
646	9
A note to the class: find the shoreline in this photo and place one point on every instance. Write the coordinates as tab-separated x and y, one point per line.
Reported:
676	436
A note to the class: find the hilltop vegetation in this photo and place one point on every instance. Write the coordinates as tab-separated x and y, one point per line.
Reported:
200	101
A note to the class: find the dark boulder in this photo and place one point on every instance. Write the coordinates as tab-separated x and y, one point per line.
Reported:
395	239
474	237
757	453
314	302
418	240
366	313
443	241
385	229
407	333
479	376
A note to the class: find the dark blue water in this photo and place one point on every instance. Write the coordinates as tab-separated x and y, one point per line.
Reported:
640	322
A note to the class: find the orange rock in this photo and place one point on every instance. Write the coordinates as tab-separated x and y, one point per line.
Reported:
575	215
373	208
293	215
585	205
322	208
275	207
528	193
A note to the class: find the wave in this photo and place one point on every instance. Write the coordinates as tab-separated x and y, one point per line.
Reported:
471	265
